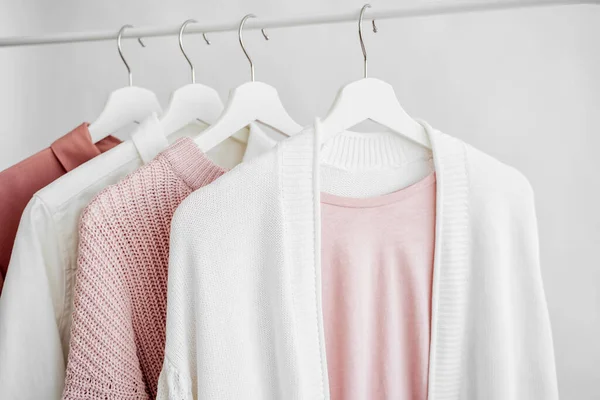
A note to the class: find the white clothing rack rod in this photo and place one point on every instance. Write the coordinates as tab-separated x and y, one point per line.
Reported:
416	11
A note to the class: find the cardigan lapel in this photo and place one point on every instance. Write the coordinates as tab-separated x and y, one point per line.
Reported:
450	268
300	185
303	260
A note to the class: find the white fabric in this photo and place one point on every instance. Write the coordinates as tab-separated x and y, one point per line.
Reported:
231	152
257	142
36	302
244	317
360	166
149	140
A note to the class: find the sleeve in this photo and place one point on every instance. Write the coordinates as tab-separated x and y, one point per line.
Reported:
31	356
103	360
532	350
511	354
172	385
177	378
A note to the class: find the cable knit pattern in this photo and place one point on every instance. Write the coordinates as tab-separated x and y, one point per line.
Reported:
118	332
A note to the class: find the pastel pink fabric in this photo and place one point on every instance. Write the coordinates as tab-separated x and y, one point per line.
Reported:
19	183
119	319
377	266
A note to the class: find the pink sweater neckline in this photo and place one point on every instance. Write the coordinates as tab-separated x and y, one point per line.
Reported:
386	199
191	164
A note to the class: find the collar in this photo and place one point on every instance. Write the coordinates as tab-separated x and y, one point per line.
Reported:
191	164
76	147
149	138
355	151
258	142
197	170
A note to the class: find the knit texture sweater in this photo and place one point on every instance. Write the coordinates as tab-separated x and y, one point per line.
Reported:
245	308
118	331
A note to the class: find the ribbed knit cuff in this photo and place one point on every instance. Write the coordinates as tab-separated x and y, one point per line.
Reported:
191	164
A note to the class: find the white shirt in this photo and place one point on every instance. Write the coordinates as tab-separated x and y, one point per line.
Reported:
36	302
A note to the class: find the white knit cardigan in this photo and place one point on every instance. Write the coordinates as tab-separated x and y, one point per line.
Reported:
244	316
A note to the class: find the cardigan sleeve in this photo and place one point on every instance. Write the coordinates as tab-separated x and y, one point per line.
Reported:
172	384
31	355
528	333
509	352
103	361
177	379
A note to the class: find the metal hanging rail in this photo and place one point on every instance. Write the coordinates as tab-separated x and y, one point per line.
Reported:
416	11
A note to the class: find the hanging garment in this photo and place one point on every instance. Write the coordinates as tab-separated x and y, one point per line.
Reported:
19	182
119	318
36	304
244	309
377	270
232	151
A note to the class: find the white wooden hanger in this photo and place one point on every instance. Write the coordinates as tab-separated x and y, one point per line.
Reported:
252	101
191	102
125	105
371	99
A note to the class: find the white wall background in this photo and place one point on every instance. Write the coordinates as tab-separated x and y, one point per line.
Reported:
521	85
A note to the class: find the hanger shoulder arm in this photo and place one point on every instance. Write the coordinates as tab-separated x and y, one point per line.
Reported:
125	105
191	102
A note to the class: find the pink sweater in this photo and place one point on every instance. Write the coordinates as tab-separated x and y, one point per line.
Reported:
118	332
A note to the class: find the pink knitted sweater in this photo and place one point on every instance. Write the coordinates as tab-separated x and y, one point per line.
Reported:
118	332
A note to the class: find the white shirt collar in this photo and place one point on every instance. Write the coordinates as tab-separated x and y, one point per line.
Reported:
149	138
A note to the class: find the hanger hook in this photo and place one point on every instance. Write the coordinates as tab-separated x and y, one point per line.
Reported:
181	30
240	36
360	36
121	51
